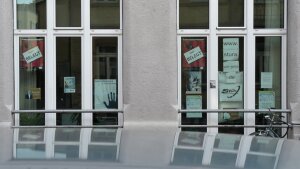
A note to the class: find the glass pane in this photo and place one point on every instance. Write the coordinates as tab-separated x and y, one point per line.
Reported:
31	134
68	78
104	135
231	82
68	13
31	14
66	151
30	151
193	85
102	152
105	78
268	14
105	14
193	14
227	142
231	13
267	75
32	79
67	134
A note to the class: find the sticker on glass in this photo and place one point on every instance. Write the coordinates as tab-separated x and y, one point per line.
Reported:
193	55
32	54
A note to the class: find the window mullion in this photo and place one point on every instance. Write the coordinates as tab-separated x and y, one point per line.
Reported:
87	101
50	71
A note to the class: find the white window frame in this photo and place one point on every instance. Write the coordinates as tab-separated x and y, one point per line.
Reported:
249	34
86	34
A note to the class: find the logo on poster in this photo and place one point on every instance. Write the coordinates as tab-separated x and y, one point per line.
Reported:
231	92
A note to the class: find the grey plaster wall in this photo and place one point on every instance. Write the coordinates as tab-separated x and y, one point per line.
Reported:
150	61
6	62
293	67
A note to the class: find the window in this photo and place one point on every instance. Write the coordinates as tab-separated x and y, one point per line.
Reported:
268	14
105	14
31	14
231	81
193	14
67	60
238	54
68	13
193	78
231	13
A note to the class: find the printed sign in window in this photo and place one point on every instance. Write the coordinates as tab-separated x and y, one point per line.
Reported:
69	85
193	55
32	54
231	49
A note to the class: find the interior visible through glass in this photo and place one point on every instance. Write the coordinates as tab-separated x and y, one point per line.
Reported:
231	83
267	75
194	78
268	14
68	13
231	13
32	79
105	14
105	79
193	14
68	79
31	14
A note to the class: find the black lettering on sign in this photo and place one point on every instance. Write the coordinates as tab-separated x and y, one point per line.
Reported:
232	92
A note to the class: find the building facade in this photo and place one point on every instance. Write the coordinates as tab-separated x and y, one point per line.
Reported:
149	59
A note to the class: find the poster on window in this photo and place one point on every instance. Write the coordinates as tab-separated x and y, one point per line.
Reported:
231	66
266	80
231	77
193	102
32	53
105	94
231	49
266	99
194	84
193	53
69	85
230	92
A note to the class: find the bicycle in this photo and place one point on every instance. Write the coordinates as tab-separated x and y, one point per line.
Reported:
269	131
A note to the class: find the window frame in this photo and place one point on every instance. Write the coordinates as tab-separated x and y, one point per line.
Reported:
50	34
249	34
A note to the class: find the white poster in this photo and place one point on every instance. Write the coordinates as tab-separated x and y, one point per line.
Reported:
194	81
234	77
230	49
230	92
105	94
194	102
32	54
266	80
266	99
231	66
193	55
69	85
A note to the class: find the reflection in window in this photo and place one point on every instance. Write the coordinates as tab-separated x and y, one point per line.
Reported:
268	14
105	78
267	74
193	14
231	13
68	78
32	79
193	91
105	14
68	13
231	82
31	14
